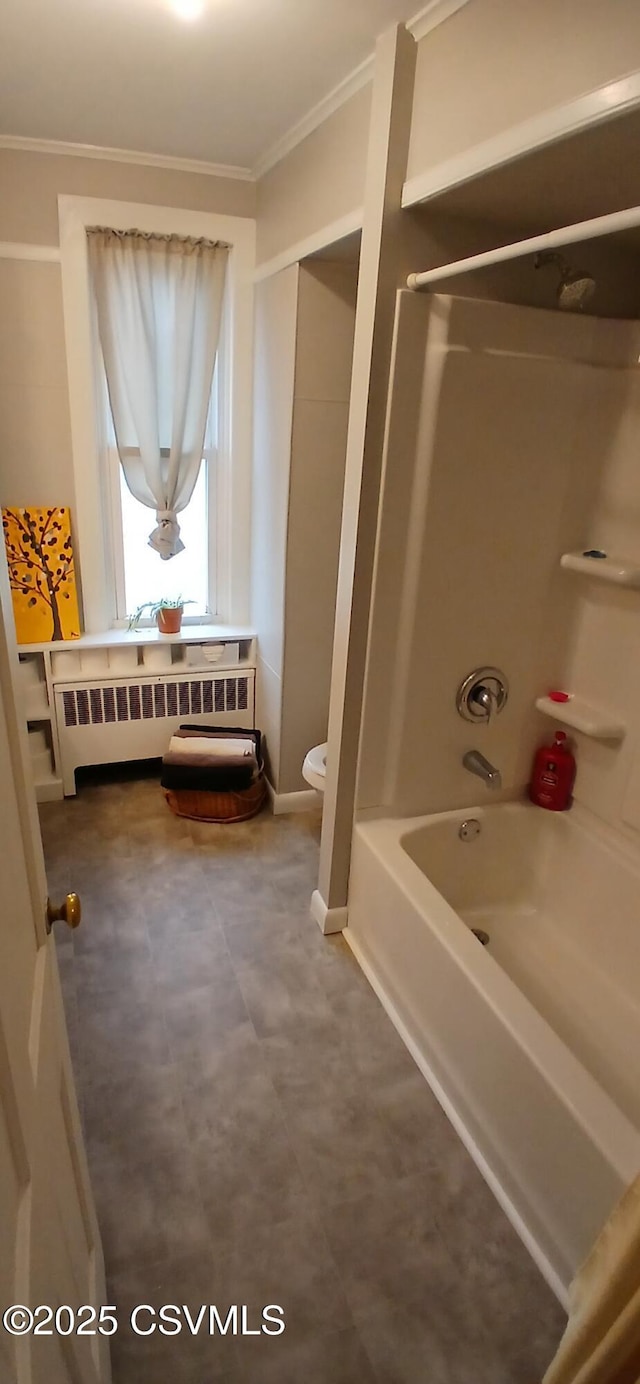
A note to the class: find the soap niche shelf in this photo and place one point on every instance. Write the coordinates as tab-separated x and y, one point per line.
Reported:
618	571
583	716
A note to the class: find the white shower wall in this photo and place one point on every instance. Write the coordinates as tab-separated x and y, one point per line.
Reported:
600	657
510	438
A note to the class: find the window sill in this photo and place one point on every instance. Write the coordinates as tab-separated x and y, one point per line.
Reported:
189	634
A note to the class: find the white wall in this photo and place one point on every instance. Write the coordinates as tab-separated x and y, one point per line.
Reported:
481	486
304	341
326	319
276	310
597	653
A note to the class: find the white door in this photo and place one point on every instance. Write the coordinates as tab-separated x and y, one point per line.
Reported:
50	1251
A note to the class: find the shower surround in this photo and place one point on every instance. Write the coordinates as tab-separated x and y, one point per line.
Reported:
513	437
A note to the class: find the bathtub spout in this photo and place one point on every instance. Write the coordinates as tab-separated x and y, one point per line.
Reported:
477	764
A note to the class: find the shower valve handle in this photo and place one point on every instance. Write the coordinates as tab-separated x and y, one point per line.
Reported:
482	695
485	698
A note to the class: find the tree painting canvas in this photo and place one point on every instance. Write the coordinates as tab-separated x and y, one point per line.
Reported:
42	574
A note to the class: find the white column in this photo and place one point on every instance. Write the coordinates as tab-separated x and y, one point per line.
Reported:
380	275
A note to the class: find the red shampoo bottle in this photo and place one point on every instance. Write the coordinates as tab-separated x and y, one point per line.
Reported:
554	772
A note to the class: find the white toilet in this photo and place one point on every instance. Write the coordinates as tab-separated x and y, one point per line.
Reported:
314	769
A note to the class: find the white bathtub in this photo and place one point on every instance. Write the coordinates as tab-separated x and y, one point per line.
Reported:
532	1043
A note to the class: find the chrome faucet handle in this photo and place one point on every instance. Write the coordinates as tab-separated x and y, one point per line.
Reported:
482	695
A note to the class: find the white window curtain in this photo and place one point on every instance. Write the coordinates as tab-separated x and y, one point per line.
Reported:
159	308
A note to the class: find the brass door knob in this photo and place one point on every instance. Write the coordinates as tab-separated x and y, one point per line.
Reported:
69	912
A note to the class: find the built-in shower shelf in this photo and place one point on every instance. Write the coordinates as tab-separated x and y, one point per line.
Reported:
617	570
582	716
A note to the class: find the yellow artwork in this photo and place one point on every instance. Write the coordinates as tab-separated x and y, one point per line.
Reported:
42	574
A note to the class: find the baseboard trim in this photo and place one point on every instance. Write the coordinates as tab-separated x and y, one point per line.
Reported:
560	1289
328	919
292	802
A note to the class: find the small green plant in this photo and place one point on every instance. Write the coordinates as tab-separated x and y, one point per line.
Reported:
154	607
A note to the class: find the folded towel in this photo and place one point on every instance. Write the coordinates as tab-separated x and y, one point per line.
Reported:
214	763
213	747
224	733
222	779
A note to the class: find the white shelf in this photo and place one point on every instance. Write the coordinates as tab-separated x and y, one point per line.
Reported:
189	634
582	716
616	570
178	672
36	708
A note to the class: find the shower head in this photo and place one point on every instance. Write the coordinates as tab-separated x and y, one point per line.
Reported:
576	286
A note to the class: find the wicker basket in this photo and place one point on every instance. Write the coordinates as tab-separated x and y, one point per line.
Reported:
204	806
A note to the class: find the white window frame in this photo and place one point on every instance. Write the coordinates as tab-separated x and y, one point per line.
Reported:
230	547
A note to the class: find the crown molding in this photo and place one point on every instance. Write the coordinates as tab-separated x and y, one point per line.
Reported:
337	97
422	23
433	14
96	151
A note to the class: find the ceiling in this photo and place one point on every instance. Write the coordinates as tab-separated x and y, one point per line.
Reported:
132	74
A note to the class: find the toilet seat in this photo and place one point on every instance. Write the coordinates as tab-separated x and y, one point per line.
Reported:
314	769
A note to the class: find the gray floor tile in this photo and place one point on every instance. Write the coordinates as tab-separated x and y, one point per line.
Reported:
387	1246
120	1037
436	1342
159	1359
281	990
256	1130
335	1357
344	1149
137	1116
247	1169
187	965
199	1019
289	1264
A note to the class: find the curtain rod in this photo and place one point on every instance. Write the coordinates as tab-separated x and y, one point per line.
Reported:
133	233
565	235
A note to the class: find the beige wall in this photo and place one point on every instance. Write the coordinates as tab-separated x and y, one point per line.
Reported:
35	461
276	309
30	184
35	441
321	180
498	62
326	321
492	64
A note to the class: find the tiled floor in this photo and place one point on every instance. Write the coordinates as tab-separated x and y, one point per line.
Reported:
257	1132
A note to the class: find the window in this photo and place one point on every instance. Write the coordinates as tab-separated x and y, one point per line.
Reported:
139	573
101	509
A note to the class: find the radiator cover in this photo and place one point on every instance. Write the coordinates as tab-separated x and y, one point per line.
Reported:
108	720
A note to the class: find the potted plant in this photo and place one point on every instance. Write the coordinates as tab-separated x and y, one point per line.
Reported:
167	612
